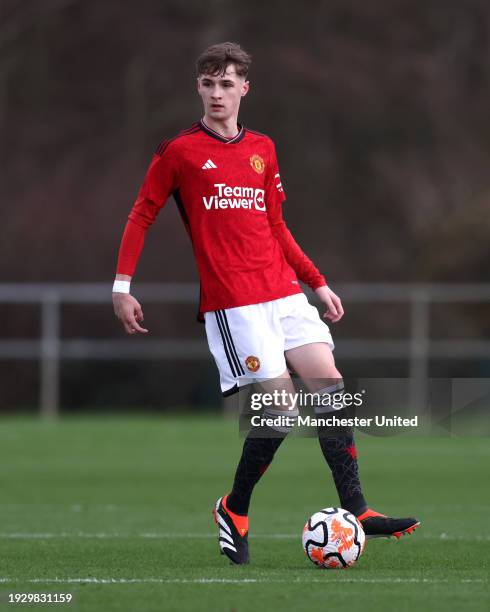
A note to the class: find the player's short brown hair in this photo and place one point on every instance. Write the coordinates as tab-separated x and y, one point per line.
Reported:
216	58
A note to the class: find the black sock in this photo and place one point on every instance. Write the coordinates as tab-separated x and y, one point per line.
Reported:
339	450
259	449
256	456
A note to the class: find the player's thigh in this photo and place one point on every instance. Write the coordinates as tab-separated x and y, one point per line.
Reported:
313	361
308	343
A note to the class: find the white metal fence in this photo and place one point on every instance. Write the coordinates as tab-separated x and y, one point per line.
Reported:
50	348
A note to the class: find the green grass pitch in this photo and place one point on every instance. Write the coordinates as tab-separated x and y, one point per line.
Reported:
117	511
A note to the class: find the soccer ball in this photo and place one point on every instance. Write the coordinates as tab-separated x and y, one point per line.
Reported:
333	538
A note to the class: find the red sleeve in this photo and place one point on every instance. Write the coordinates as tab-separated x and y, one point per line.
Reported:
162	179
305	270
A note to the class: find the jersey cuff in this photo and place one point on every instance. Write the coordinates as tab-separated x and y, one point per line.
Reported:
321	282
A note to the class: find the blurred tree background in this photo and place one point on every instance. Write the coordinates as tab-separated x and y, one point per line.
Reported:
380	113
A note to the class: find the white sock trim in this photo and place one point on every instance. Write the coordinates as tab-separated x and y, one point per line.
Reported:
326	407
286	419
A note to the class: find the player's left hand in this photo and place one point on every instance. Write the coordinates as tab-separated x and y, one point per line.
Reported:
332	301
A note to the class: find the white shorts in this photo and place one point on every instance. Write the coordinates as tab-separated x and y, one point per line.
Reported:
248	342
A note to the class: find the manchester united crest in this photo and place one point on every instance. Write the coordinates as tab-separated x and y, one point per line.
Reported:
257	163
252	363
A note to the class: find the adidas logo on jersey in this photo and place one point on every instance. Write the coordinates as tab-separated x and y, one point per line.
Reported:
209	164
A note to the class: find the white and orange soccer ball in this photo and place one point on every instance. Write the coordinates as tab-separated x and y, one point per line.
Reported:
333	538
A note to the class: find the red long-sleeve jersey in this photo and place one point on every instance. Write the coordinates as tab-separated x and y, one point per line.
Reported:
229	194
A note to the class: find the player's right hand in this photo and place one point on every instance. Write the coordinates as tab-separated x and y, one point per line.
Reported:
128	310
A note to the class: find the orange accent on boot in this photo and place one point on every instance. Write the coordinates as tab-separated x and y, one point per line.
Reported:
240	521
408	530
368	514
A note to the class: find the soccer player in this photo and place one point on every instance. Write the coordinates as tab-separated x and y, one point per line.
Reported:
225	180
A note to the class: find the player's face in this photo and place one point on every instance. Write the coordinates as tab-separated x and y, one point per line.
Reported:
221	94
